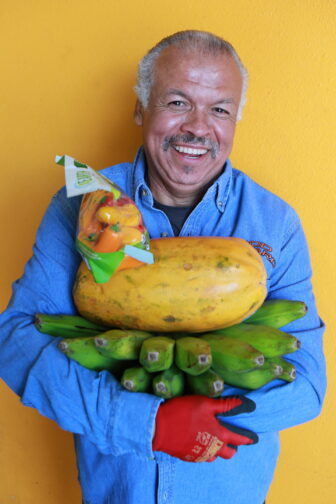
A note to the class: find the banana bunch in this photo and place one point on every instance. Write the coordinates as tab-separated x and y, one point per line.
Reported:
246	355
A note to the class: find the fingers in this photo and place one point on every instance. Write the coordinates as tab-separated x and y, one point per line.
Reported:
237	435
234	405
227	451
225	405
211	459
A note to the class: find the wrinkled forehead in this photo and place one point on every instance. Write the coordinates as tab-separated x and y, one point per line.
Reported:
175	63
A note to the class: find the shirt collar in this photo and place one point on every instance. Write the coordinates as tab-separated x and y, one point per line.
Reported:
219	191
140	189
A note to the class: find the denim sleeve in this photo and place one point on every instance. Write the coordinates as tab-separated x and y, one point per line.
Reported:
280	405
79	400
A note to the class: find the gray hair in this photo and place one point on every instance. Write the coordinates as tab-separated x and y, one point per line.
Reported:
204	42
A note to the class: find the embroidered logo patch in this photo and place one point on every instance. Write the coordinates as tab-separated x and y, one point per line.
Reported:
264	250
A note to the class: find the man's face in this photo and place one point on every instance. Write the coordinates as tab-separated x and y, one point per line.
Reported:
189	124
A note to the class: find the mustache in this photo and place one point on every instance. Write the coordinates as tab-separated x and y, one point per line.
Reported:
192	140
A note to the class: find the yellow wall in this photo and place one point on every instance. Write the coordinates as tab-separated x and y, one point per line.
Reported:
67	71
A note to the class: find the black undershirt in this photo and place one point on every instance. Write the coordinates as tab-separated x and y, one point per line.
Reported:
176	215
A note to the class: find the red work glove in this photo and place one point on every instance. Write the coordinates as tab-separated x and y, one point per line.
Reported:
187	427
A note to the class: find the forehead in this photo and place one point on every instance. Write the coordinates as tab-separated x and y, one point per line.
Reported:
177	68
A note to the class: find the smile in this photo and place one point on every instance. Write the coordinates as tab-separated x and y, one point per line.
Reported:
190	150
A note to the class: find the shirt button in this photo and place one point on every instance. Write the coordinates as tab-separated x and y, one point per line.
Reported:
144	192
164	234
220	203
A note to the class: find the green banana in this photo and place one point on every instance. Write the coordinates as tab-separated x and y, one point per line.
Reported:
66	326
157	353
169	383
268	340
278	313
253	379
288	369
121	344
208	383
83	351
136	379
193	355
232	354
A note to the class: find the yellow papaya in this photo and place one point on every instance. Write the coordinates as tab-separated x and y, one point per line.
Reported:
196	284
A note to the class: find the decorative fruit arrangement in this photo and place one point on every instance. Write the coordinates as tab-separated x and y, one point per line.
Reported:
174	326
190	322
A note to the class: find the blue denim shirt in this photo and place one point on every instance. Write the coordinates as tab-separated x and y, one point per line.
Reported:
113	427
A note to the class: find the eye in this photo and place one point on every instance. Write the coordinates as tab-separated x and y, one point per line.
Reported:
221	111
177	104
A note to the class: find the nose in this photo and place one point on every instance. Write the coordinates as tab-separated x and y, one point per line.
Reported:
196	123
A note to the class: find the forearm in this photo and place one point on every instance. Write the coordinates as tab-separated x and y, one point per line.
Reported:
79	400
281	405
91	403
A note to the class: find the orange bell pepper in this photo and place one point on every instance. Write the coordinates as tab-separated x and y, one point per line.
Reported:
109	241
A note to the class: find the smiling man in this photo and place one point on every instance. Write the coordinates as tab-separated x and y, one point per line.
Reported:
134	448
189	123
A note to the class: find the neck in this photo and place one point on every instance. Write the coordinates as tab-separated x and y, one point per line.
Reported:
177	197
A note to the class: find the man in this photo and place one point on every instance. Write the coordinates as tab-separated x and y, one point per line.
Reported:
133	448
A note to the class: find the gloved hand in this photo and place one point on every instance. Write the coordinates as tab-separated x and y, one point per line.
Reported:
188	428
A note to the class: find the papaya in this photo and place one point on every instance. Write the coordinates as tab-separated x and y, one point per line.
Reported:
196	284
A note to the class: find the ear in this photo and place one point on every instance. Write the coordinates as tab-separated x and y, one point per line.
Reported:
138	114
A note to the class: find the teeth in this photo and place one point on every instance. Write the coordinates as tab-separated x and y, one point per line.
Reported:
190	150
